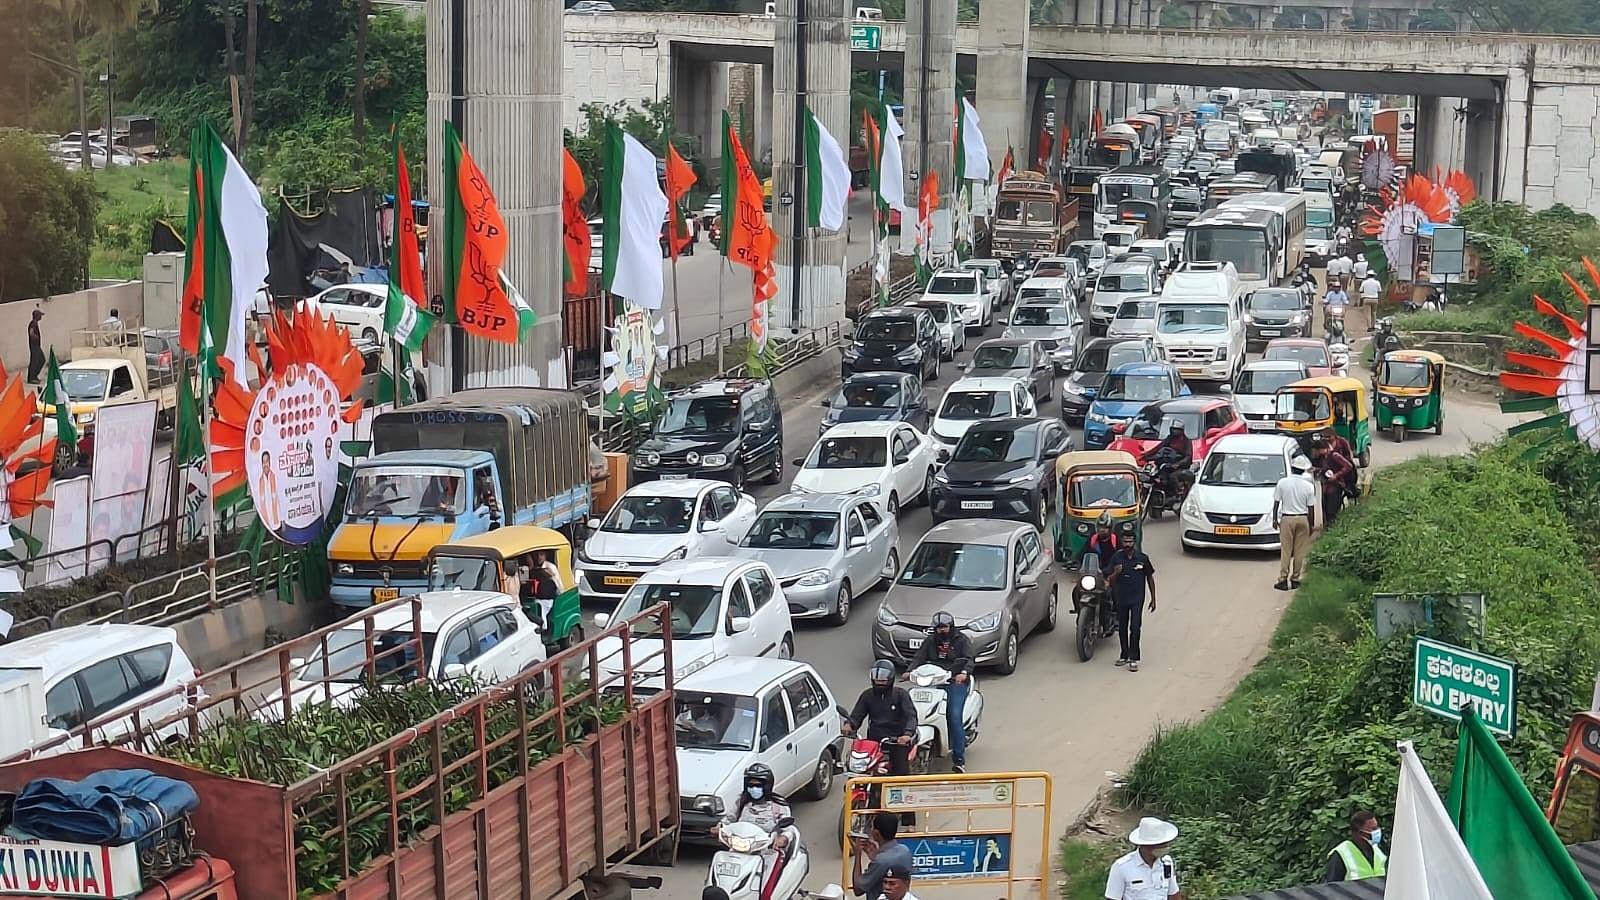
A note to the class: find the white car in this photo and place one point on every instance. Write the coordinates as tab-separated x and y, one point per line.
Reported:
1118	238
1047	289
713	207
972	400
56	682
358	307
720	607
952	325
1159	249
1230	505
1256	388
657	522
483	635
737	712
1134	318
995	282
888	460
965	289
1092	255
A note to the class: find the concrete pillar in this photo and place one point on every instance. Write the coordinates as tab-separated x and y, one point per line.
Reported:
1028	147
505	89
763	120
1058	148
821	262
1480	144
1439	134
930	96
1003	75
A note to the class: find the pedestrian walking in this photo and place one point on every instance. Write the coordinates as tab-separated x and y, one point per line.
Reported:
1147	873
1358	856
1294	514
36	360
1360	268
1132	573
1338	269
1371	290
1334	470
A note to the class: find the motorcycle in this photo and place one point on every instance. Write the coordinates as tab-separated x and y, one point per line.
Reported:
1166	483
1091	604
1339	358
1021	269
741	869
1333	324
869	758
930	698
1384	342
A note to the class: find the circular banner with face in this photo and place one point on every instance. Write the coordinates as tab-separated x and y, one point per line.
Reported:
291	458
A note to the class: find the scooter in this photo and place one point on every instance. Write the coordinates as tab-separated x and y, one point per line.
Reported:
741	869
1165	492
1339	358
1333	324
930	698
1091	604
870	758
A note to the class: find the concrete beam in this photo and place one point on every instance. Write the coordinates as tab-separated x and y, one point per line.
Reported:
1003	27
930	97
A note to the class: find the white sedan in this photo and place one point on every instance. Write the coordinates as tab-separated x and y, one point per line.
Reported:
1230	505
976	398
889	460
657	522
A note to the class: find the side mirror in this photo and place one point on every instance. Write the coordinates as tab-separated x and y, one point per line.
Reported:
858	542
1211	433
455	670
594	524
826	402
799	460
901	459
710	526
739	625
1119	427
1226	387
1028	581
601	620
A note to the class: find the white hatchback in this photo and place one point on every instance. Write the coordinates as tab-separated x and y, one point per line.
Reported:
358	307
891	461
972	400
657	522
1230	505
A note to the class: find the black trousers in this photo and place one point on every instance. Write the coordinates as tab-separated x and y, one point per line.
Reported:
1332	502
36	364
1129	620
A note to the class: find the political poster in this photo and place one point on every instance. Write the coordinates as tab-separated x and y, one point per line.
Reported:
69	530
291	455
124	435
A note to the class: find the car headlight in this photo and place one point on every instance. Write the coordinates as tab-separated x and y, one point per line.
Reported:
344	569
1073	388
886	618
713	460
692	458
85	418
709	803
1247	318
1222	354
814	578
912	352
679	553
986	623
650	458
1019	479
1008	333
1099	418
870	490
851	352
1299	319
941	478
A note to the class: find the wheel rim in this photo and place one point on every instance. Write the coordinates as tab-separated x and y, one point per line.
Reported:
843	604
1011	649
786	649
927	485
894	504
824	776
1052	610
891	566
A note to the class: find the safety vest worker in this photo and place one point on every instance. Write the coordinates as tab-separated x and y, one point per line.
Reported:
1359	856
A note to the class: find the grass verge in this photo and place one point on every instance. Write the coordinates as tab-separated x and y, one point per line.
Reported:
1084	865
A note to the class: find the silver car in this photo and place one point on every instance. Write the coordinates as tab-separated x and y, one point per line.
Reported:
1055	325
997	579
825	549
1134	318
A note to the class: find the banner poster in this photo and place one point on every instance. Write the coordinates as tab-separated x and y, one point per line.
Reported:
69	529
291	455
126	433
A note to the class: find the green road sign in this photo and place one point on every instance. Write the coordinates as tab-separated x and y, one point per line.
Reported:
1447	678
866	37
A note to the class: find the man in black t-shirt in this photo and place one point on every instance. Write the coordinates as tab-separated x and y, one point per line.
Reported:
1132	573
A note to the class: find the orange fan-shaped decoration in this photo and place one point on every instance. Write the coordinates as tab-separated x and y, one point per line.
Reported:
19	443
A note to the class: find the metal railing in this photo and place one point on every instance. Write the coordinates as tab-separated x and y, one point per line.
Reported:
703	347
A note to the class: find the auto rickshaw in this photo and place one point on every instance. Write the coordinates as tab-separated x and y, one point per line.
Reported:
1092	483
495	560
1311	405
1410	387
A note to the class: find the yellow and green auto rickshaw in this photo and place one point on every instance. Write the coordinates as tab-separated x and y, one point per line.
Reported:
502	560
1091	484
1410	387
1311	405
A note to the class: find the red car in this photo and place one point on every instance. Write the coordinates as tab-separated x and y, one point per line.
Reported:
1206	420
1310	351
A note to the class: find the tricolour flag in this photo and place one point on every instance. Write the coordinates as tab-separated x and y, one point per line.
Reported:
679	179
827	177
1427	860
404	318
575	227
747	235
225	260
926	204
635	209
872	133
55	394
475	250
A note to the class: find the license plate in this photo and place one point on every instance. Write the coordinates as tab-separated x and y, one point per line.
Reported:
977	504
384	594
1191	371
674	476
925	695
728	869
1271	332
1232	529
914	643
619	580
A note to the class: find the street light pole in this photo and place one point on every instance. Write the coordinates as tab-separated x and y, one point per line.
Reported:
798	211
83	107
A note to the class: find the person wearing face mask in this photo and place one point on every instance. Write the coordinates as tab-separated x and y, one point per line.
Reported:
950	650
1148	872
1358	857
892	714
760	806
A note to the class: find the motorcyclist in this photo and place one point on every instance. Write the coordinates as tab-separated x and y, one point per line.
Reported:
892	714
1384	342
1174	454
950	650
760	806
1103	542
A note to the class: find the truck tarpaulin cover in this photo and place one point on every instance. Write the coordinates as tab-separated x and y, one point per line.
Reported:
114	806
344	220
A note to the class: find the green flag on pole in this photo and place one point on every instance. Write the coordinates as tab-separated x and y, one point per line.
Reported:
55	395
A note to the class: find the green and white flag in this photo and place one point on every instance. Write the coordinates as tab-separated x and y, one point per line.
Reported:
55	394
635	207
827	177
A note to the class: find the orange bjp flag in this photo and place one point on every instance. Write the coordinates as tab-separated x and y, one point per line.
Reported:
748	238
575	228
476	248
679	179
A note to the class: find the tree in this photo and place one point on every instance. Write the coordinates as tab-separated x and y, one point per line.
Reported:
46	221
107	17
649	122
358	94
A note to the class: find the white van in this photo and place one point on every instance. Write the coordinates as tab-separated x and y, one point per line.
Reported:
1200	321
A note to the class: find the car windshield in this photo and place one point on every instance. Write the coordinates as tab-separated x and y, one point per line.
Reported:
894	331
1136	388
1137	309
1302	406
1083	253
1125	283
957	567
469	573
965	405
1041	315
849	453
953	284
1404	374
1186	195
1318	232
869	395
343	659
1030	294
1002	356
1243	469
696	608
1314	355
793	530
1113	490
1209	319
650	515
994	445
85	384
700	415
412	491
987	270
1275	300
940	311
1154	424
1265	381
715	721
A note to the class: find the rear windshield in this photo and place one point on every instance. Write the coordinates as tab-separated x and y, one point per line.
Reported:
953	284
898	331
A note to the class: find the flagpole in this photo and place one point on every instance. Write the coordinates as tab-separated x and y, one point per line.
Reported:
721	269
211	492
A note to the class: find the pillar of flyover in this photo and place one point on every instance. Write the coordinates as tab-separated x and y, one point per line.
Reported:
810	263
1480	138
699	92
1003	75
930	100
494	70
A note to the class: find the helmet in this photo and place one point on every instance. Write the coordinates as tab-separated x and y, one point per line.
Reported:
759	775
882	670
1319	440
1177	425
1104	522
943	619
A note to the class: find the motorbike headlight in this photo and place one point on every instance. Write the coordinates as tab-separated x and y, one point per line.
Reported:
1087	583
679	553
813	578
344	569
650	458
886	618
708	803
714	460
986	623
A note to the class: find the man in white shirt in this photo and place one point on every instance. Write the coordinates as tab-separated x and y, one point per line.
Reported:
1147	873
1371	289
111	329
1359	267
1294	514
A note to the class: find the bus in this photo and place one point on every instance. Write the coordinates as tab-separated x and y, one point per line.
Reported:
1151	135
1151	184
1245	237
1289	215
1115	145
1238	185
1216	137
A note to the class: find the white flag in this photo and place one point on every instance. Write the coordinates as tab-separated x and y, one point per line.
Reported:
973	146
635	208
891	173
1427	860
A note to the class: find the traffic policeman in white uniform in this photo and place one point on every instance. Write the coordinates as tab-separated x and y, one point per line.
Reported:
1147	873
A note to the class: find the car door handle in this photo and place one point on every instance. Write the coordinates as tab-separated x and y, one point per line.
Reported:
788	746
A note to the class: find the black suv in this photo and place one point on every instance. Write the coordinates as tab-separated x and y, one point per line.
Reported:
717	429
894	339
1002	468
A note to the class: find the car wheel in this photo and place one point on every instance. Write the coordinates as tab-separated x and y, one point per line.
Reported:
737	477
775	474
786	647
822	778
891	567
894	504
1051	611
1008	653
927	489
841	606
1041	514
370	335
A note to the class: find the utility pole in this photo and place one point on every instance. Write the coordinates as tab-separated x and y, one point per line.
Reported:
800	211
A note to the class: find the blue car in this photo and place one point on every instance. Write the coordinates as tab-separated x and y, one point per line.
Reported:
1127	389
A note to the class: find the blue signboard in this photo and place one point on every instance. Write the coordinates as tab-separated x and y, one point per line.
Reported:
964	856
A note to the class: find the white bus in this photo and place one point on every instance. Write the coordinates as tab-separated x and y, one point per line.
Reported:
1289	214
1248	238
1149	183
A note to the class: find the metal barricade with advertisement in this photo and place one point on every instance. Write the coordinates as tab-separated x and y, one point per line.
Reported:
970	829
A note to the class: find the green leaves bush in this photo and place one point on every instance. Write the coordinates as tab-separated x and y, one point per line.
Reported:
1262	787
